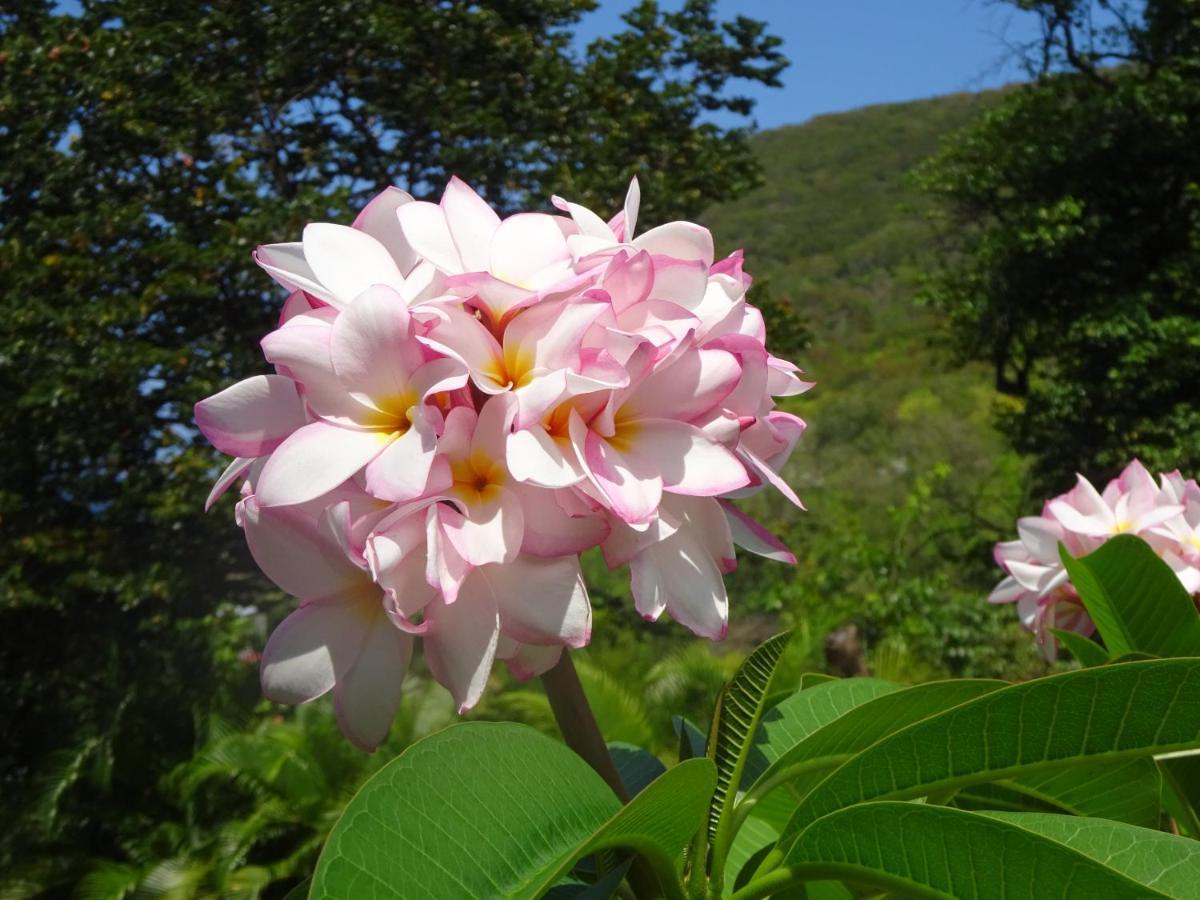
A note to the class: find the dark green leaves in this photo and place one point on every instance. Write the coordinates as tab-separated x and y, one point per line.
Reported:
498	810
1135	599
739	710
931	851
1106	713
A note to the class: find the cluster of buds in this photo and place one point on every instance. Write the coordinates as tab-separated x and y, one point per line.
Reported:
461	405
1163	512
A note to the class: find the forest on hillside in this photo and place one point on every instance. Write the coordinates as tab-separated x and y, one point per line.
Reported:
992	293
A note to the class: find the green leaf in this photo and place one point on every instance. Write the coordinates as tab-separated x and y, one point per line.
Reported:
477	810
1086	651
1165	862
1135	599
1182	797
791	721
934	851
692	742
1127	792
739	710
300	891
861	726
1109	713
637	767
499	810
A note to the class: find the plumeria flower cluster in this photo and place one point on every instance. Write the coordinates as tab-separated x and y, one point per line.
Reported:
461	405
1163	512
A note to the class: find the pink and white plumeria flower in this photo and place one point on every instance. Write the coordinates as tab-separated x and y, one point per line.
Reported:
461	404
1165	513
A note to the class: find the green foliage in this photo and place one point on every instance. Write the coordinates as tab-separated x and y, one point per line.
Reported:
1075	266
932	851
145	149
1047	787
1135	599
497	810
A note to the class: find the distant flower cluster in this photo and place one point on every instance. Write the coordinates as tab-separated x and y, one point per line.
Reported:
461	405
1165	513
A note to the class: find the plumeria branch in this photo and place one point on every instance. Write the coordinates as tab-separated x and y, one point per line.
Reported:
577	723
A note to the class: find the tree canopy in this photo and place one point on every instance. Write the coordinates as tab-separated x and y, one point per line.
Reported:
1076	264
145	150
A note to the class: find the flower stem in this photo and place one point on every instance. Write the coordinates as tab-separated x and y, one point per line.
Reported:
577	724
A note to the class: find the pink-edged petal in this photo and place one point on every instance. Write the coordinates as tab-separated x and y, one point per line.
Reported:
549	531
252	417
767	473
301	350
696	382
460	644
232	473
526	661
424	284
624	543
631	488
679	240
424	227
315	460
462	337
1009	590
1041	537
313	647
471	223
445	569
585	220
347	261
297	304
680	576
633	200
367	696
682	282
492	529
783	379
499	299
540	393
379	219
533	455
286	263
290	551
628	279
530	250
549	335
687	460
751	535
1073	520
401	471
489	438
542	601
373	349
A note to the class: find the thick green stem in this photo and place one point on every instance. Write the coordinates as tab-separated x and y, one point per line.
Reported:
577	724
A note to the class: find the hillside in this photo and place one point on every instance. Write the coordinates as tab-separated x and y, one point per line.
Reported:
901	459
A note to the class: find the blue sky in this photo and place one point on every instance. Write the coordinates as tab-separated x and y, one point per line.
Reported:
851	53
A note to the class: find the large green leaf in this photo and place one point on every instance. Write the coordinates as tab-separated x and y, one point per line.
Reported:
792	720
637	767
860	726
1127	791
1109	713
1135	599
935	851
1165	862
1086	651
1182	797
739	710
499	810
